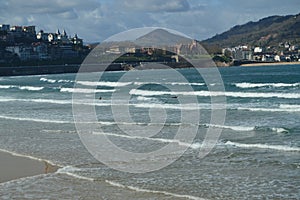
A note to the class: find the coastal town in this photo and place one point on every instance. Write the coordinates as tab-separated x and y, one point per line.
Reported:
244	54
23	45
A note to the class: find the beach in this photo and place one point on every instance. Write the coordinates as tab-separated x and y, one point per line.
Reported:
14	167
270	64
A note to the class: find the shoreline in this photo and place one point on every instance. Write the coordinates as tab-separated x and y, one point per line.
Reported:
269	64
15	166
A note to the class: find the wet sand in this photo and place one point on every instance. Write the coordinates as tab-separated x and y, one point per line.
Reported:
15	167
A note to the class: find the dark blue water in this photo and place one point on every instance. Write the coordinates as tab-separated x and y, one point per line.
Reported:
257	156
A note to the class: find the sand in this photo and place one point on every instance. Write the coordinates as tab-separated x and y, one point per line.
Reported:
270	64
15	167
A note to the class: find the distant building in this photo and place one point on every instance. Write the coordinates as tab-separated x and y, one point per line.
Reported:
4	27
29	29
258	50
42	36
277	58
16	29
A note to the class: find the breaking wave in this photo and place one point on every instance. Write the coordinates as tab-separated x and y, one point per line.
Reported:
48	80
264	146
70	171
169	83
83	90
35	120
217	93
104	83
258	85
280	109
136	189
29	88
162	140
249	128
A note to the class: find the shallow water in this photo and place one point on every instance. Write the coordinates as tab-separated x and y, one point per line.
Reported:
257	155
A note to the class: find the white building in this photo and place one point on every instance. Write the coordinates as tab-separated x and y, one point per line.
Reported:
277	58
258	50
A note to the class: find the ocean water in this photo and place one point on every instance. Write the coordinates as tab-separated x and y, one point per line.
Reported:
257	155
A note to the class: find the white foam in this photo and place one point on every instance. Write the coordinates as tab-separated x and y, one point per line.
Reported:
48	80
162	140
235	128
257	85
7	86
27	156
35	120
112	183
289	106
69	170
83	90
271	109
141	98
31	88
280	130
168	83
264	146
168	106
104	83
65	81
217	93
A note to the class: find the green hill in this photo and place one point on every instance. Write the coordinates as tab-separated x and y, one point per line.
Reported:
269	31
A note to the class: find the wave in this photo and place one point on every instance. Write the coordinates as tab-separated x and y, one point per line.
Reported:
249	128
280	109
234	128
29	88
168	83
54	81
289	106
139	92
104	83
136	189
83	90
70	170
30	157
162	140
35	120
48	80
258	85
52	101
264	146
140	98
169	106
7	86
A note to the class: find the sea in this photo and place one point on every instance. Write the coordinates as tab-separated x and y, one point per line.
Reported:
256	154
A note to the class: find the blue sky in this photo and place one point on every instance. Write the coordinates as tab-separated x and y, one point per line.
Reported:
96	20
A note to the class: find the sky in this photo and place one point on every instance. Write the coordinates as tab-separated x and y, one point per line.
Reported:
96	20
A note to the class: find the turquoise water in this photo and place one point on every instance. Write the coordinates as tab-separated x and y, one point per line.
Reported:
257	155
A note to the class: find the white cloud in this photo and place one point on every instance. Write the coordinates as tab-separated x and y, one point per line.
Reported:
155	5
96	20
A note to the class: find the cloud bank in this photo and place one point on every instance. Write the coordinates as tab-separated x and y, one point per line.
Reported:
96	20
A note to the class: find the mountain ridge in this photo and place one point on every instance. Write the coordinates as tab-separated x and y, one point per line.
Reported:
267	31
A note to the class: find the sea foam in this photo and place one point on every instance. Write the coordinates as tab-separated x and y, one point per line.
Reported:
104	83
84	90
216	93
136	189
258	85
264	146
162	140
